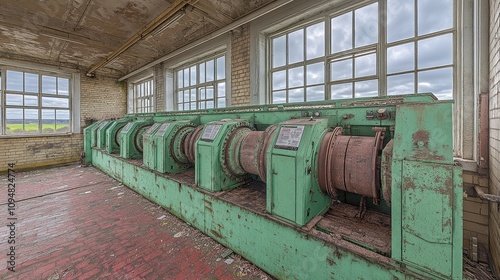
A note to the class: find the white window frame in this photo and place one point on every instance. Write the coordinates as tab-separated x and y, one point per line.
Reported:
27	67
143	92
469	29
199	88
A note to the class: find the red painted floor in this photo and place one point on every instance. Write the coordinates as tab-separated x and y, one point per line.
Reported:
77	223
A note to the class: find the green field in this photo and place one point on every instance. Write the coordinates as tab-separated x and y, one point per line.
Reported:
33	128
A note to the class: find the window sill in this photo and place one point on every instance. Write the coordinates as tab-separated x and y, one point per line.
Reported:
467	164
69	134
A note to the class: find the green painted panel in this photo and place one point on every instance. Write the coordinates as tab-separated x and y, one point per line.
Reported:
283	187
427	220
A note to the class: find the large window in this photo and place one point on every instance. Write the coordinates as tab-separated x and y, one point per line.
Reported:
386	47
34	102
143	96
201	85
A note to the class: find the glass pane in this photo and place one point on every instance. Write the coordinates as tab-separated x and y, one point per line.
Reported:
342	33
30	82
296	46
279	51
279	80
48	120
341	91
192	105
221	102
186	106
435	51
401	84
193	75
365	65
202	72
366	25
210	71
193	94
180	96
296	95
439	82
400	19
434	15
14	120
14	99
221	89
62	120
341	70
203	94
30	100
180	79
55	102
366	88
316	73
180	106
296	77
210	104
210	92
31	120
401	58
14	80
221	68
49	84
201	105
315	40
279	97
315	93
186	77
186	96
62	86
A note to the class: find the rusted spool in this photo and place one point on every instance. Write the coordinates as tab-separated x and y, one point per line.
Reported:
263	147
117	136
177	144
189	144
138	139
248	158
231	150
349	163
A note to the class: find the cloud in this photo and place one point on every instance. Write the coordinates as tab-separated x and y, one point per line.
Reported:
434	15
400	19
315	40
296	46
366	25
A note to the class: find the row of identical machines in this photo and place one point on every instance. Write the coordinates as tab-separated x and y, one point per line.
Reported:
360	188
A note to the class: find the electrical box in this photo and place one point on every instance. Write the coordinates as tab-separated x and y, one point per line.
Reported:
101	134
131	145
293	192
112	135
216	155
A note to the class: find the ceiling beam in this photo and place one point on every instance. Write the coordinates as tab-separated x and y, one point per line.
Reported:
145	31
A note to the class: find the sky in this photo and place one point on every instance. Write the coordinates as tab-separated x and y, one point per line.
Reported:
410	64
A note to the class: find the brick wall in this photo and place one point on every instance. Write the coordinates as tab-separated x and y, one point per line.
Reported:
100	98
495	130
475	214
159	81
240	67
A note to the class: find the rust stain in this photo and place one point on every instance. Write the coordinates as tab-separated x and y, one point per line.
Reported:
217	234
36	148
420	135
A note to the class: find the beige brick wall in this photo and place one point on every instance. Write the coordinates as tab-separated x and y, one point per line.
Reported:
100	98
159	81
475	214
240	67
494	167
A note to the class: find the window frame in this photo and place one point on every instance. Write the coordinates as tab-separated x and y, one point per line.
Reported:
147	85
469	54
72	97
198	85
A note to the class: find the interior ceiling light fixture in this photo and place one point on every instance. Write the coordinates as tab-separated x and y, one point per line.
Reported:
168	23
63	38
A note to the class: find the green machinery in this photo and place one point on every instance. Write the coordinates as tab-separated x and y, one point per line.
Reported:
360	188
101	133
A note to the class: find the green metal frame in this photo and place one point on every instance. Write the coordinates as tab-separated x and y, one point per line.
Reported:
424	190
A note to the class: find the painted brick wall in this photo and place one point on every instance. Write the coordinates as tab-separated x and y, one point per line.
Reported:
159	81
495	130
240	67
100	98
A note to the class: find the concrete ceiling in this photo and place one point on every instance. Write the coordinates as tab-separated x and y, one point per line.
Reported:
83	32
